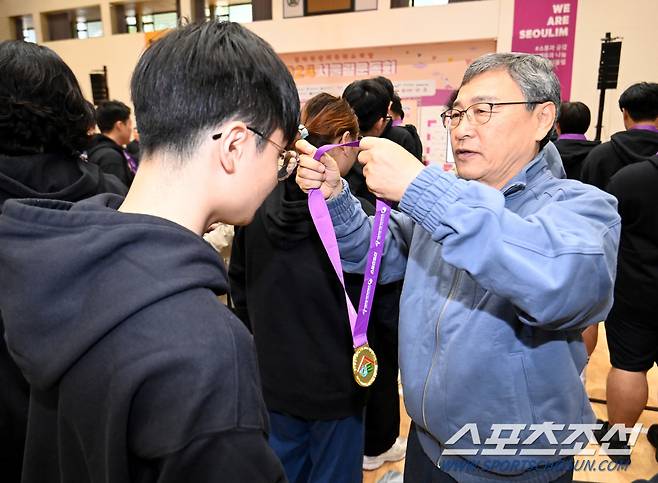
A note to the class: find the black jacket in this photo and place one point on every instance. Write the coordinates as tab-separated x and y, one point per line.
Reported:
573	152
624	148
138	372
636	286
284	287
405	136
48	176
107	154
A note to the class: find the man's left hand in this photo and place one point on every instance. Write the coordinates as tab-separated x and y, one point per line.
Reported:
388	168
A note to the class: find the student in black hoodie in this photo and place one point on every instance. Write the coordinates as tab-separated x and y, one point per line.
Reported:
396	113
107	148
631	326
44	121
283	286
572	124
639	106
370	101
138	373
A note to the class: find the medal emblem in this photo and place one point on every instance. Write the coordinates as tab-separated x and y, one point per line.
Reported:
364	365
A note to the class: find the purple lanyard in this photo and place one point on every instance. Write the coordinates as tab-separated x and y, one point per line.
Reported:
645	127
322	220
132	164
575	137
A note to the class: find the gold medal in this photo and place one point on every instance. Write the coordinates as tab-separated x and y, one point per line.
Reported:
364	365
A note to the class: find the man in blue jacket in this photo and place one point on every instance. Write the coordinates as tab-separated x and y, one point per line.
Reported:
504	266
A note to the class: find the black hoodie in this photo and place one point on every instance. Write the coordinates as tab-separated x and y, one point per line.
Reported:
406	136
636	286
573	152
107	154
51	176
138	373
624	148
284	287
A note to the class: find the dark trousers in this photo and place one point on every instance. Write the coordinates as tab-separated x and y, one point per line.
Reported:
420	469
318	451
382	420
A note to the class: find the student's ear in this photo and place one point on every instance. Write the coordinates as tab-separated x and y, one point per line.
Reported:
345	138
232	145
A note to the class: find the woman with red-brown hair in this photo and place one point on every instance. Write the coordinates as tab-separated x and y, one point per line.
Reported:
284	288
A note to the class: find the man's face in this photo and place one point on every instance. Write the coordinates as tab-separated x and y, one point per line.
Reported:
496	151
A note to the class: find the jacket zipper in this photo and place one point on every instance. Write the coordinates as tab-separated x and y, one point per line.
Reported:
451	292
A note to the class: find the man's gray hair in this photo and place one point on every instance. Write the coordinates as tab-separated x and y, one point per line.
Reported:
533	74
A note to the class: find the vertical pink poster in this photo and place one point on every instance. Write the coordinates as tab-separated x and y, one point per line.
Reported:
548	28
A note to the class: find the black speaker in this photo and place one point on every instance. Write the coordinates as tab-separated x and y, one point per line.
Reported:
609	65
99	89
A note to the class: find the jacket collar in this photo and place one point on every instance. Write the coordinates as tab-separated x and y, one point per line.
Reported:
529	172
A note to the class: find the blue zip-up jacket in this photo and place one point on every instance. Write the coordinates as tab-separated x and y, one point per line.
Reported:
498	286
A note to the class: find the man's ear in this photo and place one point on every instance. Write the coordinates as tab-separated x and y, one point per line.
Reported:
232	144
546	114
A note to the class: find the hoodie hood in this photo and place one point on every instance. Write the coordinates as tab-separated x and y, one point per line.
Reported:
53	176
100	141
634	145
285	214
72	273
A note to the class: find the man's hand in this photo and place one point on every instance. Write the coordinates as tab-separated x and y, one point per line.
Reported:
311	174
388	168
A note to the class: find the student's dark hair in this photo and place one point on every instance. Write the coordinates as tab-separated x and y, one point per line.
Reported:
641	101
201	75
327	117
574	118
42	109
109	112
369	100
387	84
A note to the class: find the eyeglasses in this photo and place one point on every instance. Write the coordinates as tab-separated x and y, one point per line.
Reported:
288	159
477	114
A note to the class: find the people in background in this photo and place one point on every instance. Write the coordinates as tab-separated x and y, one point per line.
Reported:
631	328
107	149
572	124
370	101
639	106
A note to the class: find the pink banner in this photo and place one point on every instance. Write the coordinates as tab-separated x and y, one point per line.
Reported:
548	28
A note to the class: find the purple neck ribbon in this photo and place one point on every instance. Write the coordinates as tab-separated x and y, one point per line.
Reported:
645	127
323	224
575	137
132	164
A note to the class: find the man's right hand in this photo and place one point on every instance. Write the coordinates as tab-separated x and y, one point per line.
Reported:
311	174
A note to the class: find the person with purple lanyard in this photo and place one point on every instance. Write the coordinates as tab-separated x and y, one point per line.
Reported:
503	267
639	106
285	288
572	124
